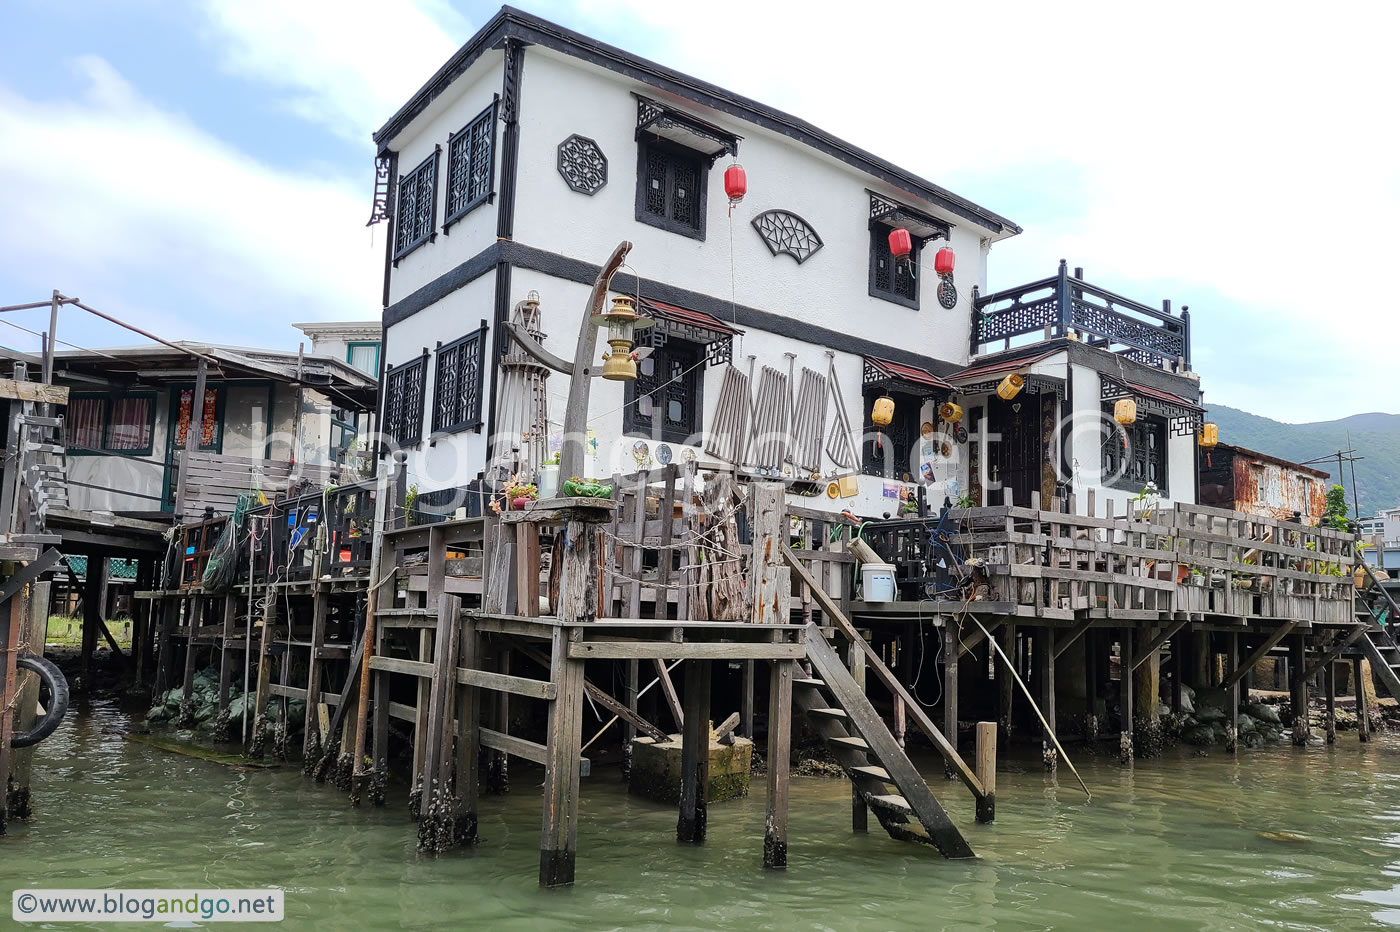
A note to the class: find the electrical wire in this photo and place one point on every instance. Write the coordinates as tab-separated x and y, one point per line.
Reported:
56	340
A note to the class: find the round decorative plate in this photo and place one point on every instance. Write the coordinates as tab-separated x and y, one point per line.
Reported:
832	490
947	294
663	454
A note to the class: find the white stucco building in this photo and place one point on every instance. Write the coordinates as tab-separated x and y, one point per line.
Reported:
535	150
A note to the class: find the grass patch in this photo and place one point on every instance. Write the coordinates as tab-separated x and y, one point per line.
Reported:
67	631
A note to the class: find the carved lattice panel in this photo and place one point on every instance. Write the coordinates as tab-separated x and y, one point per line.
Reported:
783	231
582	165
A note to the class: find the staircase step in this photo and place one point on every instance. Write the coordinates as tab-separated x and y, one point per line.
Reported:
895	803
809	682
837	714
878	773
854	743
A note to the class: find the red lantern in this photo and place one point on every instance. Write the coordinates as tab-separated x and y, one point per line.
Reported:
900	243
736	184
943	261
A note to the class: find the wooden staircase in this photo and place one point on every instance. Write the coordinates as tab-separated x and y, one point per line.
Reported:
882	774
1378	615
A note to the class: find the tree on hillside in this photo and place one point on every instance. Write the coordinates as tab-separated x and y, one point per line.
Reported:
1335	514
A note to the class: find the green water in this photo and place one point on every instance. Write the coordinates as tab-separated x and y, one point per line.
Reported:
1170	844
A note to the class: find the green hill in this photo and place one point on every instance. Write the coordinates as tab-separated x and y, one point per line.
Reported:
1374	436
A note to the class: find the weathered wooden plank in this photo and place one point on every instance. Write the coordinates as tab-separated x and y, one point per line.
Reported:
775	846
695	755
692	650
1258	653
559	824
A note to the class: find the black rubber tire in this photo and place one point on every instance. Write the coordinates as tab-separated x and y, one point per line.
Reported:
52	677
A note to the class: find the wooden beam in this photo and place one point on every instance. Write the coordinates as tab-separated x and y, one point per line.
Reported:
977	637
1258	653
15	390
694	650
601	697
1075	633
695	755
507	744
1335	651
892	683
779	753
1156	643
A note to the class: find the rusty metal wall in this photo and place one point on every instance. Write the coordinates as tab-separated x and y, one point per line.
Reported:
1274	491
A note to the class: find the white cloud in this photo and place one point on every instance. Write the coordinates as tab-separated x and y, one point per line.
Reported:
345	64
140	212
1234	153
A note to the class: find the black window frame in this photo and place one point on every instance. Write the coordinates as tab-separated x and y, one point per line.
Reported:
423	178
461	411
674	153
903	433
880	249
693	364
1137	433
466	141
402	420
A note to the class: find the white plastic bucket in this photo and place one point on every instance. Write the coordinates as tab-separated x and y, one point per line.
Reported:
877	581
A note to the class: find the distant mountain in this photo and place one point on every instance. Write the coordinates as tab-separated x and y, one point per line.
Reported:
1374	436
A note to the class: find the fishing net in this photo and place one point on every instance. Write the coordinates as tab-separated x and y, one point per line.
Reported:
222	568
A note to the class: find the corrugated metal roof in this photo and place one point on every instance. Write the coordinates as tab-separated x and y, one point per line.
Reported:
897	370
684	315
978	373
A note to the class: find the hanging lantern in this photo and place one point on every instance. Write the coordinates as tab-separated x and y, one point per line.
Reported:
901	244
951	413
882	412
943	261
1011	386
1125	411
622	321
1209	436
736	185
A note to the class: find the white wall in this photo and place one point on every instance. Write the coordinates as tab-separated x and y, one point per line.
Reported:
469	95
831	289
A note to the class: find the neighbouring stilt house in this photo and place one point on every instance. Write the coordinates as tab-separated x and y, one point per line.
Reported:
827	461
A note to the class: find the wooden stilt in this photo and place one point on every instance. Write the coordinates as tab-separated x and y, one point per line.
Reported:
695	754
1363	712
31	641
1045	674
855	662
1091	685
629	731
498	766
746	701
951	650
1005	681
1125	695
167	610
194	611
468	738
1298	687
1329	685
559	831
1232	693
10	624
779	752
94	595
264	672
313	667
987	771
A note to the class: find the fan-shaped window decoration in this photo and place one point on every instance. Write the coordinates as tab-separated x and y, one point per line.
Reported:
783	231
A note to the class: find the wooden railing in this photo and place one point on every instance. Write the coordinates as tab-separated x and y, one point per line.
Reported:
1139	562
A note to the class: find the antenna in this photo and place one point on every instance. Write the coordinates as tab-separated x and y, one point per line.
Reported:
1343	456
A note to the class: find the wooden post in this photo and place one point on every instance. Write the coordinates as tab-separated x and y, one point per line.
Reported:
746	701
987	770
194	611
11	623
166	609
427	644
779	753
695	754
434	833
94	591
387	473
230	615
527	568
264	670
468	737
578	582
559	829
1298	687
1363	711
1232	692
1329	685
1045	673
772	581
855	662
193	432
498	763
31	641
951	649
1006	682
1125	695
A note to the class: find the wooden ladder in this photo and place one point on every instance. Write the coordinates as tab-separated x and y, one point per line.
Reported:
884	777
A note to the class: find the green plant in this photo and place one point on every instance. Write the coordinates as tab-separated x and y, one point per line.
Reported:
410	499
1334	515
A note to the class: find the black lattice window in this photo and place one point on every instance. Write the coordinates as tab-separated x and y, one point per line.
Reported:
457	383
417	207
665	400
671	183
1134	454
471	167
890	279
403	402
888	450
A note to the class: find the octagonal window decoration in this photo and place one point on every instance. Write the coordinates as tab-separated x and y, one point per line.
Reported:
783	231
582	165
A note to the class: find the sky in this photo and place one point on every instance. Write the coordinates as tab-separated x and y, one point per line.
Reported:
204	169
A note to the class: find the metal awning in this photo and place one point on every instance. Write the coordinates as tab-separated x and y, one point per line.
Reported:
1185	416
975	380
682	323
677	126
898	376
920	225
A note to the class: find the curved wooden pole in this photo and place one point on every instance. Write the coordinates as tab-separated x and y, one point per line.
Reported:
576	413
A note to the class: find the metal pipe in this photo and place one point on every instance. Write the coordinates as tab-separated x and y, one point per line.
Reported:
145	333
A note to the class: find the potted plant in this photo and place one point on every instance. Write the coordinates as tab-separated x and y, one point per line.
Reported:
549	476
515	494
